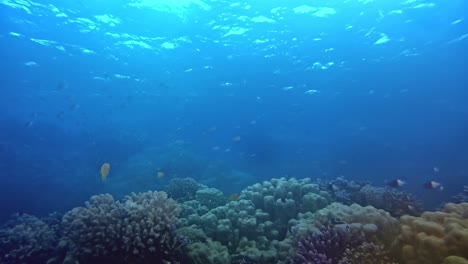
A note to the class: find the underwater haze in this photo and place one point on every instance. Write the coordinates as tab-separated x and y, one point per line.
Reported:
230	94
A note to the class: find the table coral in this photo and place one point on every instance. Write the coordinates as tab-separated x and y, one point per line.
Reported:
435	236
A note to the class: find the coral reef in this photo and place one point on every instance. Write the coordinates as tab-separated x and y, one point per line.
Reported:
210	197
284	198
255	227
339	244
367	253
281	220
192	207
26	239
341	190
139	229
241	259
377	224
208	253
325	246
397	203
53	220
435	237
192	233
182	189
228	224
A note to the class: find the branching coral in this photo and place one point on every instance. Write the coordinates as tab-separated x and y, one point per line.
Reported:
140	229
182	189
262	226
27	239
367	253
339	244
325	246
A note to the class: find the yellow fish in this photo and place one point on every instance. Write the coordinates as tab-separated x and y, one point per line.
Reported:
233	197
160	174
105	171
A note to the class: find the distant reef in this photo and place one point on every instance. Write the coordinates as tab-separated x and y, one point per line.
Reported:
287	221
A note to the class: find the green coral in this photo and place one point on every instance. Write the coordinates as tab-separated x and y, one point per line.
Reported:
210	197
211	252
256	226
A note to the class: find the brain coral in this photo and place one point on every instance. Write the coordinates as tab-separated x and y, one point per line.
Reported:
435	237
138	229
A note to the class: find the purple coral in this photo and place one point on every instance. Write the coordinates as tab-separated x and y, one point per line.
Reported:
326	246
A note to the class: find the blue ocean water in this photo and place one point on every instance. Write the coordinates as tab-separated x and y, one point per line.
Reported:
230	94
